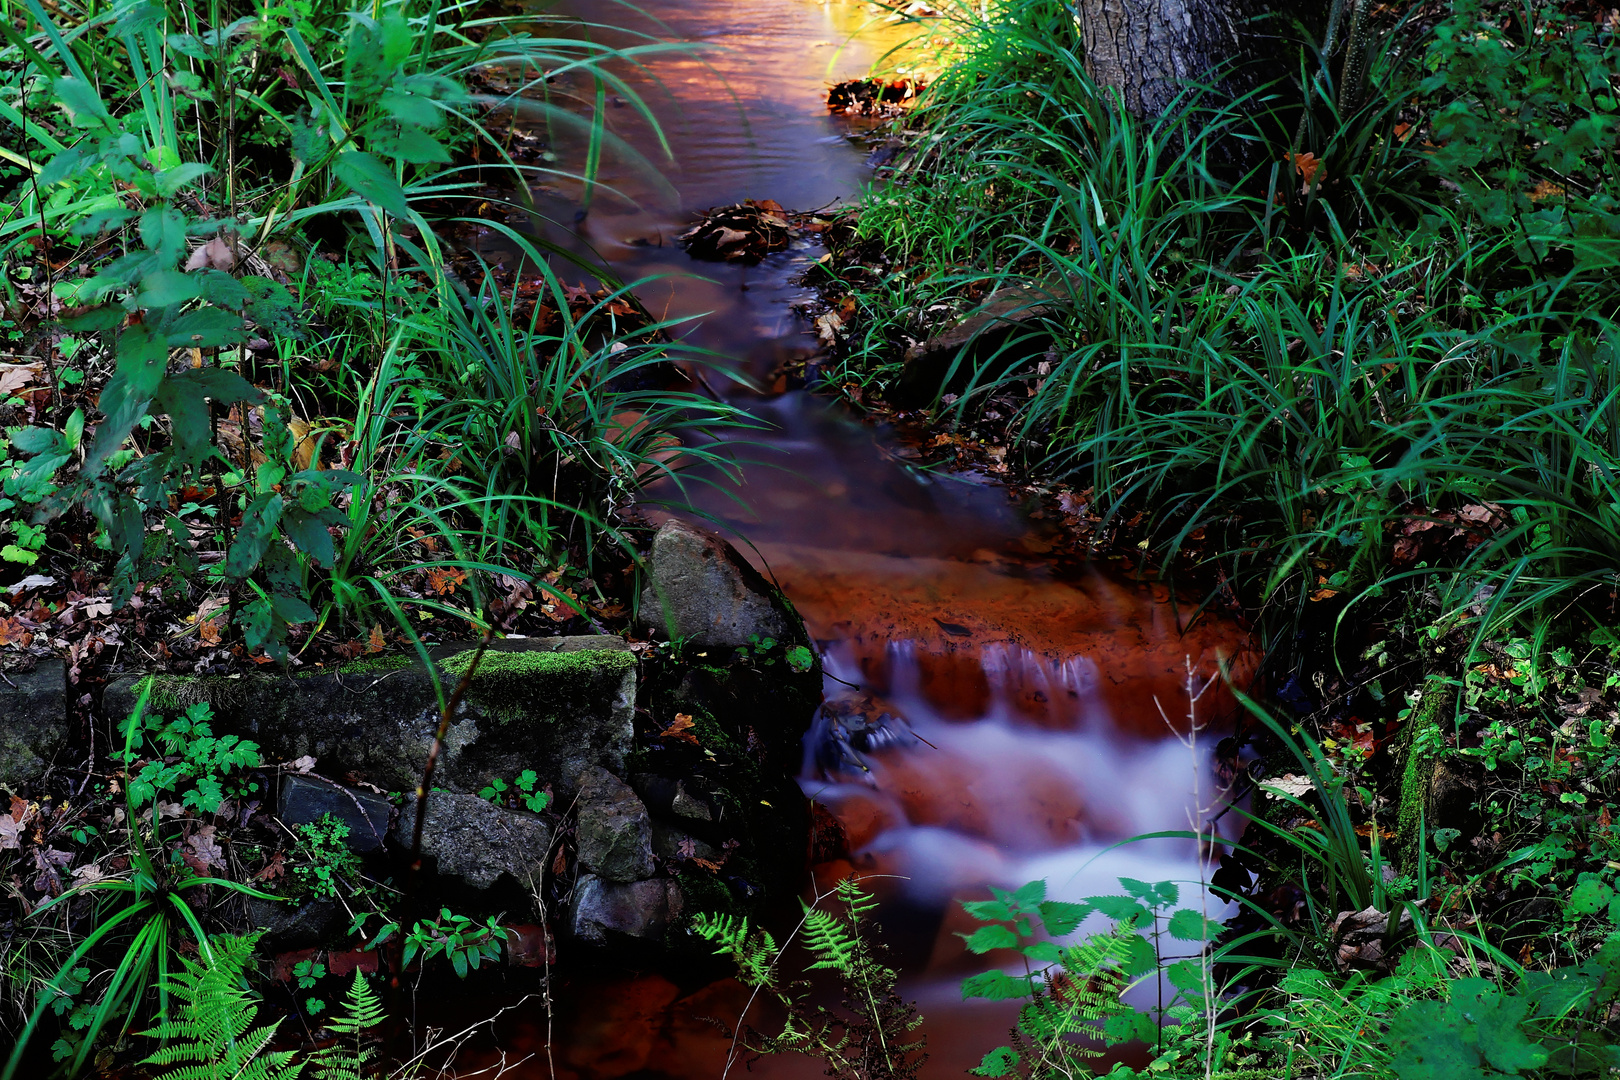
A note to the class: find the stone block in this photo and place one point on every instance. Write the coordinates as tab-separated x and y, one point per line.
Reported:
603	911
305	798
477	841
554	705
700	589
33	722
614	832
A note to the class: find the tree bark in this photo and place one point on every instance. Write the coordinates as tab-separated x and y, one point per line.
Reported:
1151	50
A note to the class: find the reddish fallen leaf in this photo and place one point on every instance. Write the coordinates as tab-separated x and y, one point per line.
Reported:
14	632
276	867
375	642
681	729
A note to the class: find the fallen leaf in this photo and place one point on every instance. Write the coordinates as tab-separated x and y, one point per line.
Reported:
49	861
10	832
827	327
303	764
375	642
276	867
443	582
1308	167
87	873
14	377
1545	190
204	850
14	632
680	729
1289	785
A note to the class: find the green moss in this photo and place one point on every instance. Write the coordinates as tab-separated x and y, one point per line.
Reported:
545	686
1417	771
376	665
172	693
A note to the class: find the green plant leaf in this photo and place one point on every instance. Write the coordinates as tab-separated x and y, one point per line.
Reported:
986	938
994	985
257	530
371	180
999	1062
1189	925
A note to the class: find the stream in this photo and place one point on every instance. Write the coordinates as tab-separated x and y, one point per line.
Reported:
995	715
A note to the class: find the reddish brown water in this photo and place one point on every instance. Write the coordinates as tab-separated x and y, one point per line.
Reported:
1030	712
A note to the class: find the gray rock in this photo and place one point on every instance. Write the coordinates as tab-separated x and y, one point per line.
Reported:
306	798
687	805
33	722
477	841
700	589
293	926
554	705
602	911
614	833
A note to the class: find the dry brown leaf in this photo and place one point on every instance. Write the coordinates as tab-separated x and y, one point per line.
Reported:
276	867
1309	166
205	850
443	582
375	642
14	632
680	729
14	377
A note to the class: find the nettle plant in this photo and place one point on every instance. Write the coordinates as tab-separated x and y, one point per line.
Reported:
151	309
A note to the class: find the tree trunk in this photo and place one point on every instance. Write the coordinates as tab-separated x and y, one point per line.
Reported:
1151	50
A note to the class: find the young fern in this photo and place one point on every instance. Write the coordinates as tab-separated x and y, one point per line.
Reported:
211	1036
830	940
754	951
349	1057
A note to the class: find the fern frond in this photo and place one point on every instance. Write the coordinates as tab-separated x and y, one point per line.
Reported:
754	951
829	940
349	1059
210	1035
857	900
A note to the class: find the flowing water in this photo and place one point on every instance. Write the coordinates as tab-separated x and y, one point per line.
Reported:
993	716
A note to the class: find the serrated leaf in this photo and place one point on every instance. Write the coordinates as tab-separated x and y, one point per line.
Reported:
999	1062
995	986
1190	925
987	910
1029	894
257	531
204	328
1061	917
165	288
1590	897
371	180
986	938
171	181
163	231
1130	1026
1044	951
308	532
82	102
1118	908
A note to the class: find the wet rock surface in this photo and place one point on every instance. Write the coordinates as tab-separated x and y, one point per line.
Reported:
473	839
613	833
33	722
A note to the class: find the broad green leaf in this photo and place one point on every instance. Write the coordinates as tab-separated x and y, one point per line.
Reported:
83	104
291	609
1118	908
1130	1026
257	531
1043	951
142	357
371	180
164	288
171	181
308	531
204	328
34	440
1428	1041
994	985
1190	925
985	910
999	1062
986	938
163	230
1061	917
1029	894
1590	897
408	144
96	319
